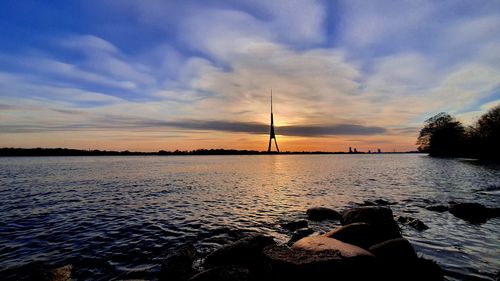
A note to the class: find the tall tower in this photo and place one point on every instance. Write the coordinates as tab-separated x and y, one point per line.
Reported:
271	133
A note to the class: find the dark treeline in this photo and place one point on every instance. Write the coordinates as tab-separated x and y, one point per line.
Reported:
8	151
444	136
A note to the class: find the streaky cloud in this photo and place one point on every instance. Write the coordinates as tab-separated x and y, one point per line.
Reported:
117	122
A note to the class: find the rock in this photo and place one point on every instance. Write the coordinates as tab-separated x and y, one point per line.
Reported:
178	265
377	202
322	243
246	251
299	234
380	218
394	250
427	270
417	269
321	213
437	208
359	234
382	202
297	263
472	212
400	262
62	273
413	222
294	225
223	273
367	203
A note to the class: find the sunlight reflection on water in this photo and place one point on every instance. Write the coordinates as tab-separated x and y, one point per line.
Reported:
118	213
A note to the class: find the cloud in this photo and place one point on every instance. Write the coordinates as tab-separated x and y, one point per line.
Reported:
196	67
123	122
6	107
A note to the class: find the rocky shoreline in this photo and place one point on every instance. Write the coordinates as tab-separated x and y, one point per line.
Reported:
367	246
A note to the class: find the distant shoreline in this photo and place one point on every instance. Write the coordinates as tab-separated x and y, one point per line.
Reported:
43	152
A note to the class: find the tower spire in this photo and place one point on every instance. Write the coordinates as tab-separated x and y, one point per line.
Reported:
271	100
271	133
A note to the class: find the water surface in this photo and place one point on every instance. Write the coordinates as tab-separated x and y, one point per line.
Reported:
116	217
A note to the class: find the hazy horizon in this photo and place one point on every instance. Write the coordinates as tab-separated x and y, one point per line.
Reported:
165	75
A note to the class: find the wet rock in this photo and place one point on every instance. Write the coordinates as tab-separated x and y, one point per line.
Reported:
413	222
223	273
311	262
367	203
382	202
380	218
359	234
425	269
321	213
377	202
294	225
322	243
473	212
299	234
437	208
62	273
410	270
400	262
394	250
246	251
178	265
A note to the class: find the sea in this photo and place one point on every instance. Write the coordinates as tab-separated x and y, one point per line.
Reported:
117	217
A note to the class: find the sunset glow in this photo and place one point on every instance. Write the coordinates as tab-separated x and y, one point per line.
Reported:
151	75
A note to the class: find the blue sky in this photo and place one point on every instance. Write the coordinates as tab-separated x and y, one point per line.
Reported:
151	74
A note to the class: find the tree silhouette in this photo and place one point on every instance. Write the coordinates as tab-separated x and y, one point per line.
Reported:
486	134
441	135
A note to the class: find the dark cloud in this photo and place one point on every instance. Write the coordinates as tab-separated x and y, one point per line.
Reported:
111	122
330	130
259	128
407	130
6	106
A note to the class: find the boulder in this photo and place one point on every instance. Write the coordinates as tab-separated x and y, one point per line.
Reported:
426	269
359	234
223	273
437	208
394	250
472	212
306	261
380	218
294	225
322	243
413	222
62	273
321	213
178	265
400	262
246	251
299	234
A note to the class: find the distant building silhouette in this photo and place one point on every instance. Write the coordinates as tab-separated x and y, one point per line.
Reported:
350	149
271	133
378	150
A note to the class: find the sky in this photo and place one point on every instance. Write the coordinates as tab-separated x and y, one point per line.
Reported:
151	74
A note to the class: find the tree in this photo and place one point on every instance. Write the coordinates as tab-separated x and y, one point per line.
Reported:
441	135
487	134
